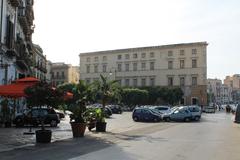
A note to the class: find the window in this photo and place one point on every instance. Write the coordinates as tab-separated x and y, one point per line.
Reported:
134	82
57	75
182	64
182	52
119	56
135	55
95	59
126	56
135	66
104	68
194	81
152	55
104	58
143	66
143	55
96	68
119	67
143	82
194	63
52	74
152	81
194	51
63	76
88	59
88	68
170	81
126	67
126	82
170	53
182	81
151	65
170	64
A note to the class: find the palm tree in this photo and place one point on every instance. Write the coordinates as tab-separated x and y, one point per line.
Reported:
107	90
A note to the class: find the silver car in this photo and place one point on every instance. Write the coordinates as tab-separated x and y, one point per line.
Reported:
196	112
178	114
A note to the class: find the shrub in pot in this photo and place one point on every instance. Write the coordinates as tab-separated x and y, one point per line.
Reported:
106	90
42	94
77	105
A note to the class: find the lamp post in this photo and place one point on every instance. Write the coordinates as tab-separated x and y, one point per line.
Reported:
111	73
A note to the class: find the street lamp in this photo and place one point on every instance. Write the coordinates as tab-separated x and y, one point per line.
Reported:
111	73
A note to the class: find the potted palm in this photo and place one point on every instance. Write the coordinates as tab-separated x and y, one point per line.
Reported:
106	90
81	95
42	94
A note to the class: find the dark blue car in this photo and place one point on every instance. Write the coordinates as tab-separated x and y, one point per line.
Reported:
145	114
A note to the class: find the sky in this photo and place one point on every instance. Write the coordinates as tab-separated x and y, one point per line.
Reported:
64	29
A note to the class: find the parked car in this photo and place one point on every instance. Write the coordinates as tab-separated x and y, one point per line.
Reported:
116	109
145	114
33	117
196	112
60	113
209	109
162	109
237	114
178	114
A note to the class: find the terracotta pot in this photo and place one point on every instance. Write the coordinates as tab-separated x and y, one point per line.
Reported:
78	129
43	136
101	126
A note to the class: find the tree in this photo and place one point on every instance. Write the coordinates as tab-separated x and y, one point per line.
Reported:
106	90
134	96
42	94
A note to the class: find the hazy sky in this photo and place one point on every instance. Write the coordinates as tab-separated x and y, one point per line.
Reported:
65	28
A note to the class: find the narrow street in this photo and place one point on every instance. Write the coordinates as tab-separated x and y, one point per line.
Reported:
215	137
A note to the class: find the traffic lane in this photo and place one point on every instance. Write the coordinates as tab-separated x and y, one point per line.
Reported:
214	138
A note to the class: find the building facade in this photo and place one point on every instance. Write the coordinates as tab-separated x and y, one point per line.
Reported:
219	93
40	62
234	83
183	65
64	73
16	50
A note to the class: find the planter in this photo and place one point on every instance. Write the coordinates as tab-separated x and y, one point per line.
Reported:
78	129
43	136
101	126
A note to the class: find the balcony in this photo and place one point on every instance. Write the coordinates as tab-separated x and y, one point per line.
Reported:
23	20
14	3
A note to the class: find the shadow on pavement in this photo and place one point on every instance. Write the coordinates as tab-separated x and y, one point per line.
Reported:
59	150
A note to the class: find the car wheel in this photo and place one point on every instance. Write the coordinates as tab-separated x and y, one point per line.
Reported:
197	118
156	120
187	119
167	119
53	123
135	119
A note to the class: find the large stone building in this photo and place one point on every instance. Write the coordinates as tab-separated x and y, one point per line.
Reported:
16	50
219	93
64	73
182	65
234	83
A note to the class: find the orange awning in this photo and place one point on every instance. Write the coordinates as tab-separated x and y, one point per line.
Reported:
16	90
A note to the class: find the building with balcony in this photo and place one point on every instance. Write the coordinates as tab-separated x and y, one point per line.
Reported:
183	65
16	49
234	82
40	63
64	73
218	93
